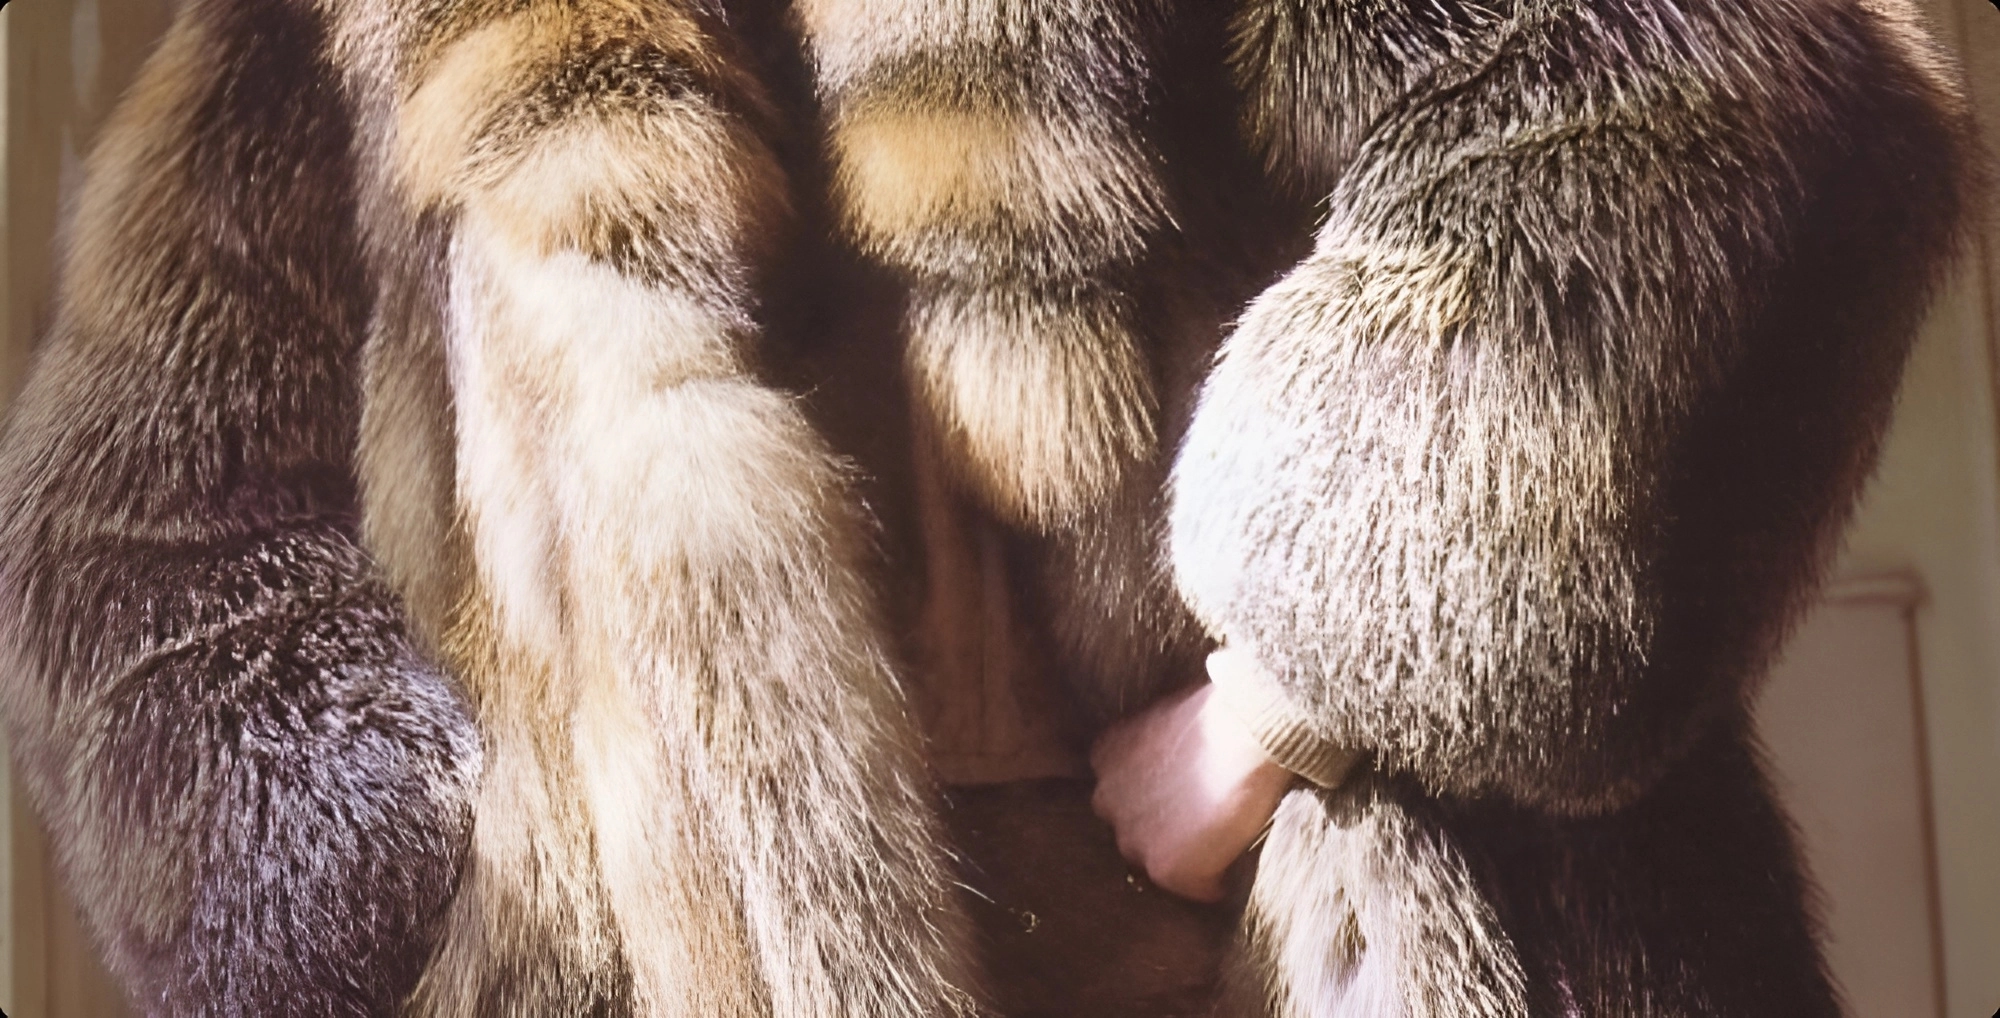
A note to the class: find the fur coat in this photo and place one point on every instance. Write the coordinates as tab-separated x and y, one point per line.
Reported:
521	504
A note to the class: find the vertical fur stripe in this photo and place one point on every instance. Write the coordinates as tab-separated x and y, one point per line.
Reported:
994	156
699	765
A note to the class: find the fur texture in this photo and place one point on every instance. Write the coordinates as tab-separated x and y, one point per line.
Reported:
1515	480
1544	350
701	797
417	601
257	784
698	793
987	153
1552	435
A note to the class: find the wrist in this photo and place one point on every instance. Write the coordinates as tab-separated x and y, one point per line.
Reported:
1265	712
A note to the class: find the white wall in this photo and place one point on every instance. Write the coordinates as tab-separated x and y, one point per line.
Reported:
1932	510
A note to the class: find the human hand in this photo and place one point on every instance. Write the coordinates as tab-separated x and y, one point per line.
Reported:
1187	790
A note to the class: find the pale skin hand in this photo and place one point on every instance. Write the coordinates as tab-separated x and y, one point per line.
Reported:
1186	789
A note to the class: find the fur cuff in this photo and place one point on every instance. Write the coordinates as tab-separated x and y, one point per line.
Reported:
1284	731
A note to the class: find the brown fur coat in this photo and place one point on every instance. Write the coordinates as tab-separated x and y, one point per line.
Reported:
423	594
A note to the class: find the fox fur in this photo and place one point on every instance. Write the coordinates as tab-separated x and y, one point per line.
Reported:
424	594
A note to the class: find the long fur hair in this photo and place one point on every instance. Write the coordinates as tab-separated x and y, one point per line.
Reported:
416	599
701	796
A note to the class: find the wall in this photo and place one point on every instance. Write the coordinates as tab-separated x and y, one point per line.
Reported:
6	765
1932	510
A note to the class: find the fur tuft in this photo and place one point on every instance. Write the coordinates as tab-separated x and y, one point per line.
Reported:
1362	908
1039	409
1014	191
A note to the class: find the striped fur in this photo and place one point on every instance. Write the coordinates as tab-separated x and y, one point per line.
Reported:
414	601
700	795
987	153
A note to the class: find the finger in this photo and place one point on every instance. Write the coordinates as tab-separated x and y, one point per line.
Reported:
1129	849
1190	884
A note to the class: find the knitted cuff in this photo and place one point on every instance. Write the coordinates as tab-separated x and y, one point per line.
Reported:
1284	731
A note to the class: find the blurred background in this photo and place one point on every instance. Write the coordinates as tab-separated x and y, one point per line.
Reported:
1883	722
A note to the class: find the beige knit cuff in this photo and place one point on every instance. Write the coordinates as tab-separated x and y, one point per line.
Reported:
1284	731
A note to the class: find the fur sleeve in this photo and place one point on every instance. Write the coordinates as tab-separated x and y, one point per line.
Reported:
1518	479
254	782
